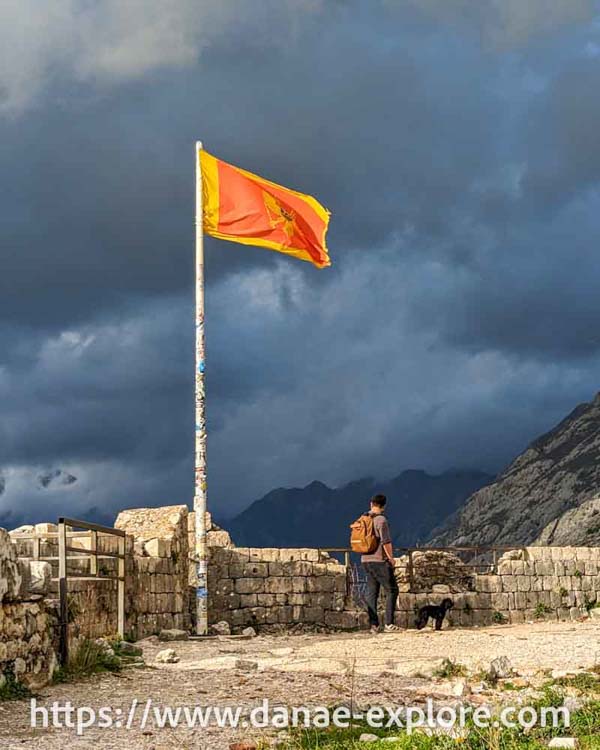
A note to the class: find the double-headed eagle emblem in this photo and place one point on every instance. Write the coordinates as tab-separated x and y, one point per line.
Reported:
280	217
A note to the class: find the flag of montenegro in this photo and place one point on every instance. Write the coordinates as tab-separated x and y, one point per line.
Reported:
243	207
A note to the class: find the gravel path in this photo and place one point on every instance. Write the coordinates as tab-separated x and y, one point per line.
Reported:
290	670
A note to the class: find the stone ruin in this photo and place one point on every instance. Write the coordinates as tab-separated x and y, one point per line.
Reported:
268	589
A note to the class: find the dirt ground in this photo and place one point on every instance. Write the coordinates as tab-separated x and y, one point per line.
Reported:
330	670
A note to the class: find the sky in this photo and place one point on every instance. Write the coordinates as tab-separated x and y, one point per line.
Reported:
455	143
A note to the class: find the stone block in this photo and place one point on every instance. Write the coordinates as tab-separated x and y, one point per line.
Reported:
537	583
297	613
224	586
571	567
314	614
591	567
276	569
240	617
487	583
556	599
500	602
482	601
249	600
523	583
517	567
341	620
250	585
284	614
544	568
278	585
504	567
157	548
299	584
297	600
520	600
534	553
266	600
241	555
533	599
509	583
289	555
256	570
321	583
297	568
270	554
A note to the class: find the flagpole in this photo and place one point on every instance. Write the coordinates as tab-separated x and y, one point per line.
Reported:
200	422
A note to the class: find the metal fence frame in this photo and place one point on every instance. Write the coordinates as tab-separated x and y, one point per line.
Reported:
91	531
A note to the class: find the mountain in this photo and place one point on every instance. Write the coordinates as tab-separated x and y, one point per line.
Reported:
319	516
550	494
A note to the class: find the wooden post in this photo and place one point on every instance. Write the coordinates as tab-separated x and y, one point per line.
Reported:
63	592
411	578
121	588
94	553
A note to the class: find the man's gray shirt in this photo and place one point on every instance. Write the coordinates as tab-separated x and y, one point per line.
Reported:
382	532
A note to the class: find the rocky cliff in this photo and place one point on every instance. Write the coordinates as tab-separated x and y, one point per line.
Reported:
550	494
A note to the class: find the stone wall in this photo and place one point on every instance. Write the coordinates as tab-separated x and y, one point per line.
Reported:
26	626
276	588
269	587
158	591
272	587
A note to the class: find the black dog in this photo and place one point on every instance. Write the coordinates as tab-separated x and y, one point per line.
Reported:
436	612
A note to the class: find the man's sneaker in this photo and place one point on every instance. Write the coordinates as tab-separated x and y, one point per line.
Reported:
391	629
375	629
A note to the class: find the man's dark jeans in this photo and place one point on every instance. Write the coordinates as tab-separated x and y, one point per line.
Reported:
380	574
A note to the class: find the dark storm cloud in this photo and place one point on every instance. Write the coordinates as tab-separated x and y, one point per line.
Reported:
456	149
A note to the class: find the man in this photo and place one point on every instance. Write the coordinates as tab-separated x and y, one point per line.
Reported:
379	567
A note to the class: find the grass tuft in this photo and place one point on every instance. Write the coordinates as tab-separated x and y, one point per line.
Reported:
449	668
90	657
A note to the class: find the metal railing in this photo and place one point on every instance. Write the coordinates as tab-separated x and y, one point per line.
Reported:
477	559
66	531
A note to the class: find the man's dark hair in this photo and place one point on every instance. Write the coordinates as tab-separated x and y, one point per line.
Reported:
379	500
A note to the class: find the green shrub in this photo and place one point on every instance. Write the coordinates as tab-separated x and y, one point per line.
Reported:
11	689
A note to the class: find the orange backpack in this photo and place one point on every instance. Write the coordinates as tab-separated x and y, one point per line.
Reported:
362	535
